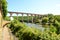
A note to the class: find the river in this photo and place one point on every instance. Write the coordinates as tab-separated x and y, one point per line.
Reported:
35	26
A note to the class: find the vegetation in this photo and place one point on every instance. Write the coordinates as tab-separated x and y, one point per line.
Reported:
4	8
44	20
25	19
24	32
57	17
7	18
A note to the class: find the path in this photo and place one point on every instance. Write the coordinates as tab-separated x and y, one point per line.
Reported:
6	35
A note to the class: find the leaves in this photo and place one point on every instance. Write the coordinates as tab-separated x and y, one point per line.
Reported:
4	8
24	32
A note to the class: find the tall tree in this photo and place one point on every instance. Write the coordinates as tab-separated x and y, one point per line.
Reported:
4	8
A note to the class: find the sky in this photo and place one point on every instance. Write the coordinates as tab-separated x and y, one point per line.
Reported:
35	6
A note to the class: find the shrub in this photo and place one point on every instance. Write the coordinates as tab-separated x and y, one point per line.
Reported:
4	8
24	32
44	20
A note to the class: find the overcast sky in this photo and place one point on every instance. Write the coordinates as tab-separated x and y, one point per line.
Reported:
35	6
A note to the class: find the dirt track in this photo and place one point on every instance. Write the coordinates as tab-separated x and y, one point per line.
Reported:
6	35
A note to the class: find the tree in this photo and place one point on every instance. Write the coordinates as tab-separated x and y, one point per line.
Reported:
57	25
4	8
3	12
44	20
50	15
51	19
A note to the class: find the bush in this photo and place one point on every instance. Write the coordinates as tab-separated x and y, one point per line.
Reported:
44	20
7	18
52	28
57	17
24	32
57	26
4	8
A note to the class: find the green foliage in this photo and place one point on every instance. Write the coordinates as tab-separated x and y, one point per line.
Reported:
50	15
37	20
25	18
4	8
57	17
24	32
7	18
57	25
44	20
51	19
52	28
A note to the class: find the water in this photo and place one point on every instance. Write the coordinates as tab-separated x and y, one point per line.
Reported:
35	26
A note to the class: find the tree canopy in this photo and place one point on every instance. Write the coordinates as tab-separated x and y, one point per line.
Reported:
4	8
